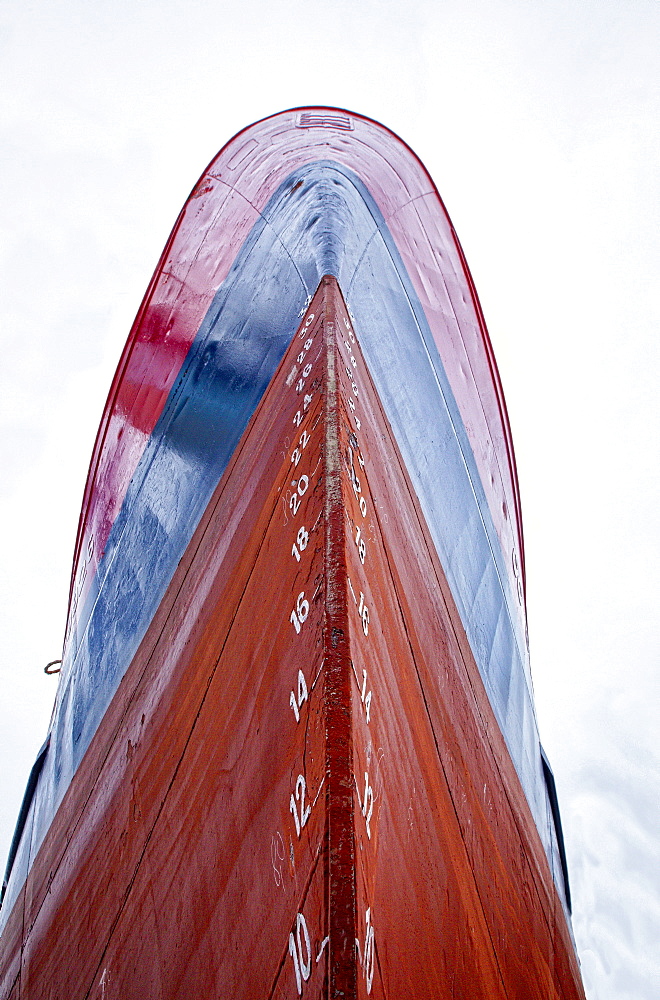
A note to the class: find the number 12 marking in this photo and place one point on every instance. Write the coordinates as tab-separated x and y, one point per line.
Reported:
301	788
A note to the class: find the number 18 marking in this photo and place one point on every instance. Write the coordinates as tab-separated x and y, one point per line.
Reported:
301	538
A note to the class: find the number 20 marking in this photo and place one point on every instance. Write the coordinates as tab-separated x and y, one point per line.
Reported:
301	489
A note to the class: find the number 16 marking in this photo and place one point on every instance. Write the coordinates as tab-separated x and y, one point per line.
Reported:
302	607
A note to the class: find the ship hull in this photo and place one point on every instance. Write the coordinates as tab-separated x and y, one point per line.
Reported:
300	783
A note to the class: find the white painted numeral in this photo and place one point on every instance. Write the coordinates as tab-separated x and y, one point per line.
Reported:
301	538
306	347
301	821
297	420
296	704
366	696
303	442
355	482
361	544
299	616
369	952
363	612
368	804
355	417
301	967
301	488
363	507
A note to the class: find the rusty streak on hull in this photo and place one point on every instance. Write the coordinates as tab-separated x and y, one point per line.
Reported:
300	786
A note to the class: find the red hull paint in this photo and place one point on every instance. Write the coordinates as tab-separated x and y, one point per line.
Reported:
183	859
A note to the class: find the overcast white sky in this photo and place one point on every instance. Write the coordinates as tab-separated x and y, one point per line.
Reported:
539	123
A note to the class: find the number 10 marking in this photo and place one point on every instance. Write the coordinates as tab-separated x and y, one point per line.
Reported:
369	952
301	968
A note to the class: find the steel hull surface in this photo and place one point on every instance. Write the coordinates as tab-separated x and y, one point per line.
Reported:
294	750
